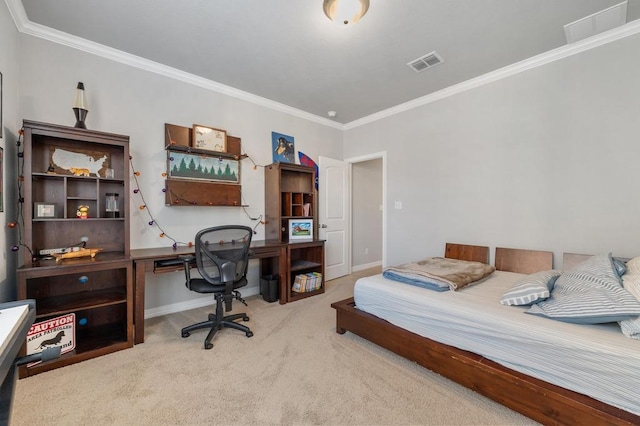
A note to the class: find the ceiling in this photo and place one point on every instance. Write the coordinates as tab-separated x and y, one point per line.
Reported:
288	52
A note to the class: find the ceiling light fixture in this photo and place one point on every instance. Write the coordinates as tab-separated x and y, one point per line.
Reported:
345	12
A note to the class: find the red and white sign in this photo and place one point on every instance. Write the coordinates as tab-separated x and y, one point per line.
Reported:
59	331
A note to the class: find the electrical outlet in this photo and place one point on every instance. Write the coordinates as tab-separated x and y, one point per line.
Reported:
46	252
52	251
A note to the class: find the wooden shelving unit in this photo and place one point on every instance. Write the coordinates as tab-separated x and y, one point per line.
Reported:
99	291
304	258
290	194
184	192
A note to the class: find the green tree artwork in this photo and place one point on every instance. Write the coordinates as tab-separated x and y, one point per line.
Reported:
203	167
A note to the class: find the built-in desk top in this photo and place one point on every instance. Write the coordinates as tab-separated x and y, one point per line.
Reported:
158	253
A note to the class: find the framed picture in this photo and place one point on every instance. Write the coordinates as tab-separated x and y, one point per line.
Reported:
209	138
202	167
44	210
300	229
283	148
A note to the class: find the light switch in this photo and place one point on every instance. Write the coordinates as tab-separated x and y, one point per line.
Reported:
398	205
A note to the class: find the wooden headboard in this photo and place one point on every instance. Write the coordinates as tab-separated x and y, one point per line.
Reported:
523	261
467	252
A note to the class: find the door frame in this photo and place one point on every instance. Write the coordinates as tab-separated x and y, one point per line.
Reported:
353	160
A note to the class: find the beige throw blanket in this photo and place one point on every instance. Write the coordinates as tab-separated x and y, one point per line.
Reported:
439	273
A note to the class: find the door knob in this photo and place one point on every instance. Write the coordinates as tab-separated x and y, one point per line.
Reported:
323	226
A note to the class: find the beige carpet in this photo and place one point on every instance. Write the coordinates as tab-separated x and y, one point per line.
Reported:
295	370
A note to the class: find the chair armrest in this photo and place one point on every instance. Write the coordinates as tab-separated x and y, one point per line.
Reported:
187	259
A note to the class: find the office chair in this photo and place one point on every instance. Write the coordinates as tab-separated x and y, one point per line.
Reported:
222	257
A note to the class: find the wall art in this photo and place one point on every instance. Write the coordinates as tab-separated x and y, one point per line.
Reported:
283	148
202	167
208	138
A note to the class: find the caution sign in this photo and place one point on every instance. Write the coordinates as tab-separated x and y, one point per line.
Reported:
59	331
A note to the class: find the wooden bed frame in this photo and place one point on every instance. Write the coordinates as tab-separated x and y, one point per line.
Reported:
534	398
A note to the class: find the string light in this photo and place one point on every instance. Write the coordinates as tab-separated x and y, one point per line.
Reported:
18	223
176	199
143	206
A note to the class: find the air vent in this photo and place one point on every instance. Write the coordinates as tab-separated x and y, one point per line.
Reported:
427	61
599	22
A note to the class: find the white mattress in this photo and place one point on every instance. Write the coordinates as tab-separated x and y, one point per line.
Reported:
595	360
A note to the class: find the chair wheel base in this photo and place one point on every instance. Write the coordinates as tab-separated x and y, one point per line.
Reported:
249	333
185	334
208	345
245	318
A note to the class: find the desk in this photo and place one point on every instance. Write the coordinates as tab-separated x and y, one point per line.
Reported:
14	333
272	255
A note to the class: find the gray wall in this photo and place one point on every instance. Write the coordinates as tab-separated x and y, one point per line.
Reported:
366	218
9	69
546	159
127	100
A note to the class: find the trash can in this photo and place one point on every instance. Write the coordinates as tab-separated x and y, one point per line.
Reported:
269	285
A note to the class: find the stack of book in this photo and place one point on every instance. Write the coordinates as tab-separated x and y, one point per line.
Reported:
307	282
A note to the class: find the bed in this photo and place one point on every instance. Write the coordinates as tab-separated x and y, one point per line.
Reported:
494	371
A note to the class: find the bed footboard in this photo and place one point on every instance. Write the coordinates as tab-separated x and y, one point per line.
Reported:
534	398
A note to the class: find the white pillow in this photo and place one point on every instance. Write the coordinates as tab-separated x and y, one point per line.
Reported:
633	266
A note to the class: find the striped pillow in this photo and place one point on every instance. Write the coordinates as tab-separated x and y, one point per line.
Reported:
631	283
589	294
530	289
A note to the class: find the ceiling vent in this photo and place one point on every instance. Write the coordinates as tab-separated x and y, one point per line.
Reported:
599	22
427	61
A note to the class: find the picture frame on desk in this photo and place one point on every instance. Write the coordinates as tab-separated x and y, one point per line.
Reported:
208	138
300	229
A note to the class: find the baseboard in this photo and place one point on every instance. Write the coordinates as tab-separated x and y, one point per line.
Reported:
366	266
191	304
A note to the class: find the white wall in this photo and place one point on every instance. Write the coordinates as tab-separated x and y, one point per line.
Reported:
546	159
9	69
130	101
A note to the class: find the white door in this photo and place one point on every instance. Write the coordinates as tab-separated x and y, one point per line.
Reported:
333	189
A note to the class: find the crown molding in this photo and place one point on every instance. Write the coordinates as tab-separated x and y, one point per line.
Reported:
30	28
25	26
562	52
